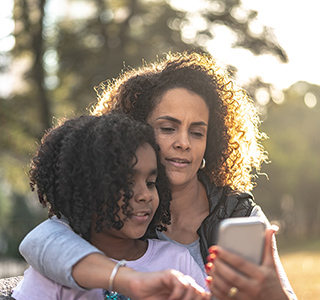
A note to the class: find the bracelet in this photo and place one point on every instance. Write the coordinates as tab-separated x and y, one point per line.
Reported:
121	263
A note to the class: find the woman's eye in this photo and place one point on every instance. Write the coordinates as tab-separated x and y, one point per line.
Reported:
167	129
197	134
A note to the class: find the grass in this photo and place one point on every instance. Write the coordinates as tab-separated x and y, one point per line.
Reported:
301	261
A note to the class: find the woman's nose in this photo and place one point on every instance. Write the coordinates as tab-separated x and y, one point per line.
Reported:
182	141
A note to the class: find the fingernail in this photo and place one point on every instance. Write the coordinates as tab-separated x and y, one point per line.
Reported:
213	250
275	228
208	266
209	279
211	257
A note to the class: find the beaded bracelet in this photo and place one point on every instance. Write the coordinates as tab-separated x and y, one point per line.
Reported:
121	263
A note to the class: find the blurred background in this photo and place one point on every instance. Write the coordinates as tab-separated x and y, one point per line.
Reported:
53	53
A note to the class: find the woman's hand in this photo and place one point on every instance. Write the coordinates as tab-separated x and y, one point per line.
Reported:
231	277
169	284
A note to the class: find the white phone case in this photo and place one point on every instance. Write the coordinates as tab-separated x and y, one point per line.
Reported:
243	236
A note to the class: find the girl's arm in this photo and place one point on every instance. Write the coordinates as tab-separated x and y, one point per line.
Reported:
58	253
94	272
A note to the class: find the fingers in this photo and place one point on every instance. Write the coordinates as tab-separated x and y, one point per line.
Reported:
194	290
234	262
231	275
224	278
188	289
241	264
232	293
167	284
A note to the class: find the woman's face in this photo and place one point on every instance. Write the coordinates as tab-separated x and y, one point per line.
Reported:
180	121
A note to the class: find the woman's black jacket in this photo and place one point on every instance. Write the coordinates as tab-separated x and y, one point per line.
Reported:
223	203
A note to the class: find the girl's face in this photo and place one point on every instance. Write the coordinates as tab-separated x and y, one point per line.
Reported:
145	200
180	121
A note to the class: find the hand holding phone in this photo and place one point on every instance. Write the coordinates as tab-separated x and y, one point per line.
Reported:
244	237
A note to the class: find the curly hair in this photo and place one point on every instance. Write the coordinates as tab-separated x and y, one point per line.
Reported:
233	150
82	168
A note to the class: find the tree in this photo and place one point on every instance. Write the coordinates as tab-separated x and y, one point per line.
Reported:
291	194
61	56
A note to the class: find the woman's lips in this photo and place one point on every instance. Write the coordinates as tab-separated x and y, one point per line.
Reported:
178	162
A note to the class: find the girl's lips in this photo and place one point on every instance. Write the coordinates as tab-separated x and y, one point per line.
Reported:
142	216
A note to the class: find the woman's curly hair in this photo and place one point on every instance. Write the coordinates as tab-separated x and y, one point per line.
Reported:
233	150
82	168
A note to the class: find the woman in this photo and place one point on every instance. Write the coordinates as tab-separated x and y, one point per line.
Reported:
207	130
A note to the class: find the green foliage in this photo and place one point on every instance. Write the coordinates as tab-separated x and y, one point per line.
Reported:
58	59
18	216
291	195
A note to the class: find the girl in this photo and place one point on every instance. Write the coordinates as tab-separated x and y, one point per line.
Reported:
101	176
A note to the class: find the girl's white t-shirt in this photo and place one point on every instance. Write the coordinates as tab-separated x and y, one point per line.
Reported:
160	255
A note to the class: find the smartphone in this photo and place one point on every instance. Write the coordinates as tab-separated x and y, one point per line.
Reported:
243	236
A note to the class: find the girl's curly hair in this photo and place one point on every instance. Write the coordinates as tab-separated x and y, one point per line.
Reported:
233	150
82	169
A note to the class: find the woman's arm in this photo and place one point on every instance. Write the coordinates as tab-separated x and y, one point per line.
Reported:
61	255
257	212
52	248
252	282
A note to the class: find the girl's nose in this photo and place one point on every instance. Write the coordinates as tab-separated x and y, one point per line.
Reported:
142	193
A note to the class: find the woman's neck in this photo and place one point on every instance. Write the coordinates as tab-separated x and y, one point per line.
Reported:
189	207
185	197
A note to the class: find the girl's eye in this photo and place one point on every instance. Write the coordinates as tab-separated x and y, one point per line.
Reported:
151	184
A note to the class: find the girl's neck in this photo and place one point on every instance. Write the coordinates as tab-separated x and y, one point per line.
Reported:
117	248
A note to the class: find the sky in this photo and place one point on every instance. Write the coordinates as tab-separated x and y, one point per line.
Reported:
296	26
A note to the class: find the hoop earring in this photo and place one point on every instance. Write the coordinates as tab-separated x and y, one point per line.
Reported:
203	164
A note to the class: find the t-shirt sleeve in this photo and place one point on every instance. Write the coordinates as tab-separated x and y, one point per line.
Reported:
52	248
34	286
257	212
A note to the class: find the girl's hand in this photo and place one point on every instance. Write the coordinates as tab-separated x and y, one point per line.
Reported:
231	277
169	284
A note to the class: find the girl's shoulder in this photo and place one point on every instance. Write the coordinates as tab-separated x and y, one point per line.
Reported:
160	248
